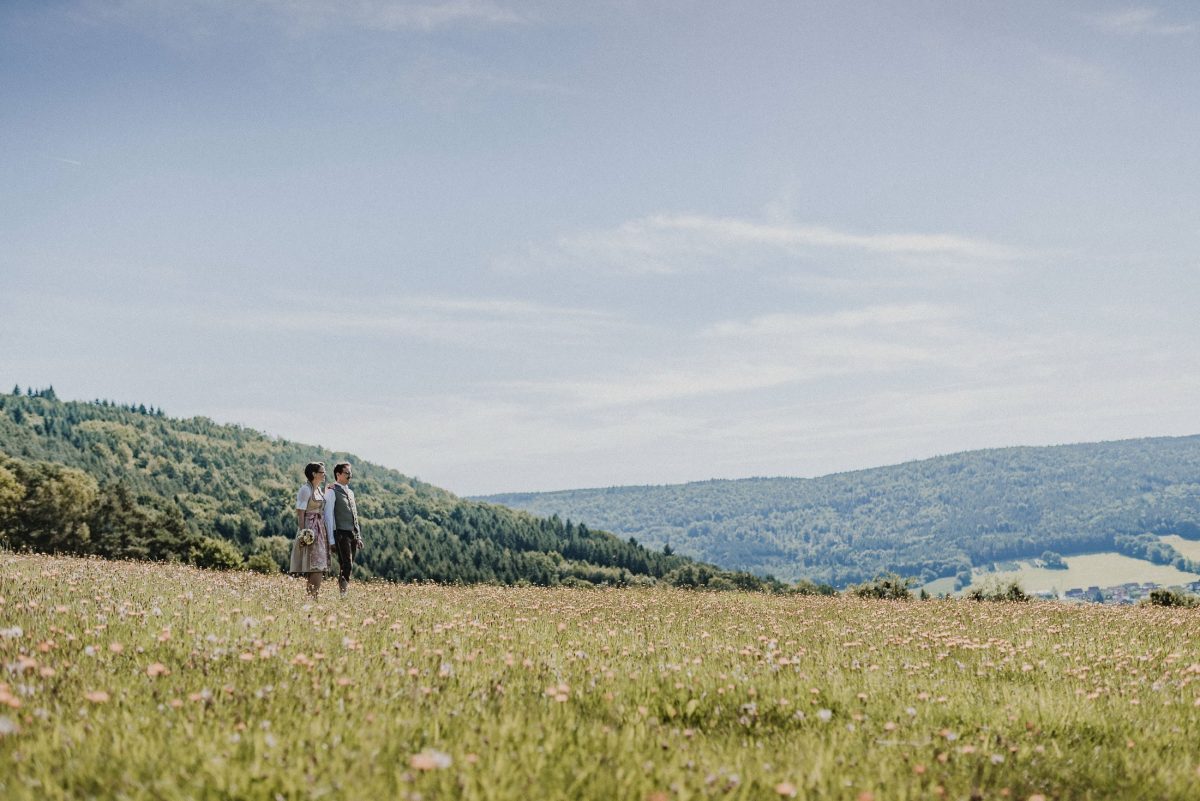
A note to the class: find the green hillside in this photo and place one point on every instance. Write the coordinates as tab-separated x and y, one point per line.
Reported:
125	481
928	519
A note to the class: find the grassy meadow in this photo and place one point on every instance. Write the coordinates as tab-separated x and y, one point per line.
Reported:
134	680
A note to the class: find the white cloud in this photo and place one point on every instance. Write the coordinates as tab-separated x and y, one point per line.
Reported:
1137	21
680	243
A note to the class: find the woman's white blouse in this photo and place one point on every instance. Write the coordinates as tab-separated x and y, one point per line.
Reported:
304	496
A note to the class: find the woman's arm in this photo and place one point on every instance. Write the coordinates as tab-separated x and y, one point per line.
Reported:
302	499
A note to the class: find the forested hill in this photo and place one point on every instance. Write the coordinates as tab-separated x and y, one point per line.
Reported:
930	518
128	482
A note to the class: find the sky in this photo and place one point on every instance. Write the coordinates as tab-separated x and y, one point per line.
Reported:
521	246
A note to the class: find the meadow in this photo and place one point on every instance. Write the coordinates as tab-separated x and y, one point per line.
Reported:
135	680
1086	570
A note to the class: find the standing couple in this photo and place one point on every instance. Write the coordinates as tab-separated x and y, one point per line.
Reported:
325	522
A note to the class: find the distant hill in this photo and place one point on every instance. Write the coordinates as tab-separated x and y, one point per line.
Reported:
126	481
928	519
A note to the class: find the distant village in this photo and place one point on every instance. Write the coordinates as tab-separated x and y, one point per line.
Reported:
1128	593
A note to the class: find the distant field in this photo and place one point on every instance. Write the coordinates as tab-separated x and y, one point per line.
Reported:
942	586
1098	569
1189	548
140	681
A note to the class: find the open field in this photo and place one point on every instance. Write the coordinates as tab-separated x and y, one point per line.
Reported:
1087	570
1189	548
150	681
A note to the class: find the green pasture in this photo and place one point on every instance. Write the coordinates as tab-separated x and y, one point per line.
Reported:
141	681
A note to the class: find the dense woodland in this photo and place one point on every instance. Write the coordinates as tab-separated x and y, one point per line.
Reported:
926	519
125	481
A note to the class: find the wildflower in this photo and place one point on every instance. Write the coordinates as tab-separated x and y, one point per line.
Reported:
786	789
116	647
825	715
430	759
97	696
12	633
8	726
156	669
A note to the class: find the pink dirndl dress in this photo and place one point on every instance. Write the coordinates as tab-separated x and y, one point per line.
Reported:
312	558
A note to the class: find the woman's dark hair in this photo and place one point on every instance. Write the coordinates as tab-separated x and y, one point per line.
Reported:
311	469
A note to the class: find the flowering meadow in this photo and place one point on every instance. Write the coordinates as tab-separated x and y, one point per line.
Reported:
137	680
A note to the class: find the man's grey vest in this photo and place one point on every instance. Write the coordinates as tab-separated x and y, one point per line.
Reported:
345	513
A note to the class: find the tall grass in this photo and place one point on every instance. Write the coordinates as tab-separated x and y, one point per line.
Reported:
127	680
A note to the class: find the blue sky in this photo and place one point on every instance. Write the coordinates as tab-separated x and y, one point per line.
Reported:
531	246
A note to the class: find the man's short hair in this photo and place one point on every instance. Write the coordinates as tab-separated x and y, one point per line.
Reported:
339	468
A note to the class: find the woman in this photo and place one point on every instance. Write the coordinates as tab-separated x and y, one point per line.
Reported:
311	559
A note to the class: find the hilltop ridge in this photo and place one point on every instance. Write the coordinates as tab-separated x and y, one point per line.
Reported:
932	518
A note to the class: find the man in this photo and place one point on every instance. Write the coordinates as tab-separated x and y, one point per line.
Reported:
341	521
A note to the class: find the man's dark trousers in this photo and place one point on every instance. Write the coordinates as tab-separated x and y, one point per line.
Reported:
346	549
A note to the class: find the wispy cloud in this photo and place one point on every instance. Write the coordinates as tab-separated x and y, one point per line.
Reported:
680	243
72	162
873	317
741	357
475	323
1079	72
428	16
1140	21
203	18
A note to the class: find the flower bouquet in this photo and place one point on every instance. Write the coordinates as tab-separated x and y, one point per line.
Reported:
306	537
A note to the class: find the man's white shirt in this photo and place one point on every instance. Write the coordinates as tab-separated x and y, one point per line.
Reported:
330	500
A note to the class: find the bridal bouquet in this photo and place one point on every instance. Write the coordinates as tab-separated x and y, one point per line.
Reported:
306	537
